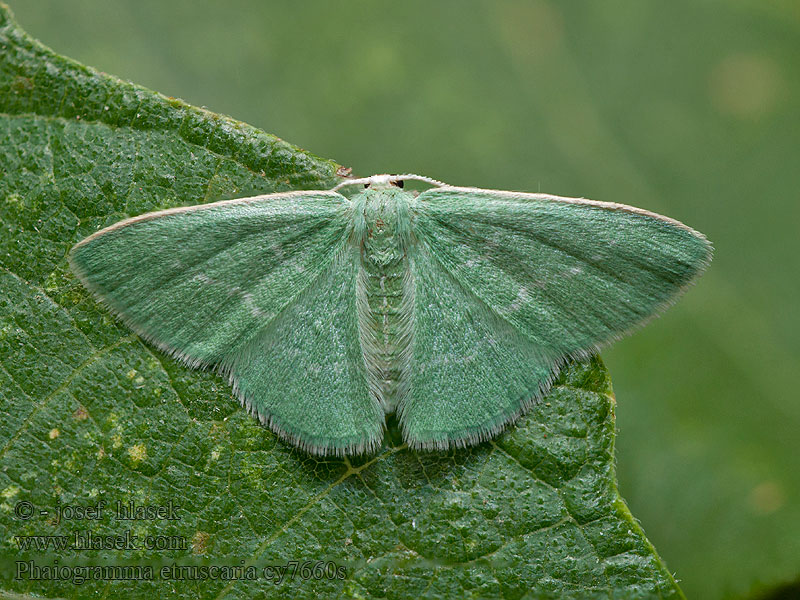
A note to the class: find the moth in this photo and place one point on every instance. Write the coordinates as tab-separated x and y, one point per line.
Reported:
454	307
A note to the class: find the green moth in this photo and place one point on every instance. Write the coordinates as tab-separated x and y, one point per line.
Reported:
454	307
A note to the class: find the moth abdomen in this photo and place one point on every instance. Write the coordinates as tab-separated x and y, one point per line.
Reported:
386	295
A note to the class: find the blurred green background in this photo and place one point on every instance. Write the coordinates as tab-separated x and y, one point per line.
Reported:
690	109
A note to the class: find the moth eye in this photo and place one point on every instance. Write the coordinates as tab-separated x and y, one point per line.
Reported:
366	185
399	183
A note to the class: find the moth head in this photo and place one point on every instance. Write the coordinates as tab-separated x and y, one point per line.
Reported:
387	181
383	181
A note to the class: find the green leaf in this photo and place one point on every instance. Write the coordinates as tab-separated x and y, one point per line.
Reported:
90	414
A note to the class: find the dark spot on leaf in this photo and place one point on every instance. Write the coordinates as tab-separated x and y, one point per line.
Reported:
22	84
